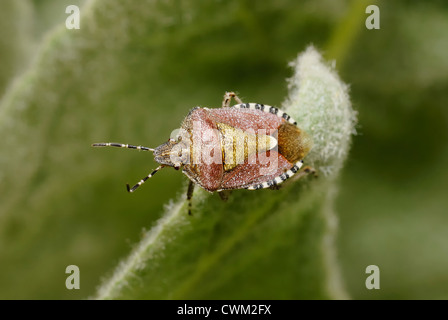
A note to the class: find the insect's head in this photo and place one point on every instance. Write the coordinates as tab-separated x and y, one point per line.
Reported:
175	152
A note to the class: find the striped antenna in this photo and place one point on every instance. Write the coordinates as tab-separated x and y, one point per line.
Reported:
120	145
144	179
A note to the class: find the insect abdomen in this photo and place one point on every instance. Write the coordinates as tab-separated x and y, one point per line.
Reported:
293	143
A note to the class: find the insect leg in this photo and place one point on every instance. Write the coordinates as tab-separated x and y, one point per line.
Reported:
225	194
190	195
228	97
292	174
303	173
144	179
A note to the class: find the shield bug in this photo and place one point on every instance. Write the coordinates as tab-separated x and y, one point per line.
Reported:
247	146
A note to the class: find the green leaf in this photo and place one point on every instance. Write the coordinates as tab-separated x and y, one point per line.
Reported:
15	24
275	245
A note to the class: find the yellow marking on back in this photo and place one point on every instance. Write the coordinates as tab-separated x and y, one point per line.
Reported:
237	145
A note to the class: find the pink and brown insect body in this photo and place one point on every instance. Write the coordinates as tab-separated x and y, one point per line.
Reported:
258	146
247	146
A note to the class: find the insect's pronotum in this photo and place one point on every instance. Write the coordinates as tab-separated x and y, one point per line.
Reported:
247	146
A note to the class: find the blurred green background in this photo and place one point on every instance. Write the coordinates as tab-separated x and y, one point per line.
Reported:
132	72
